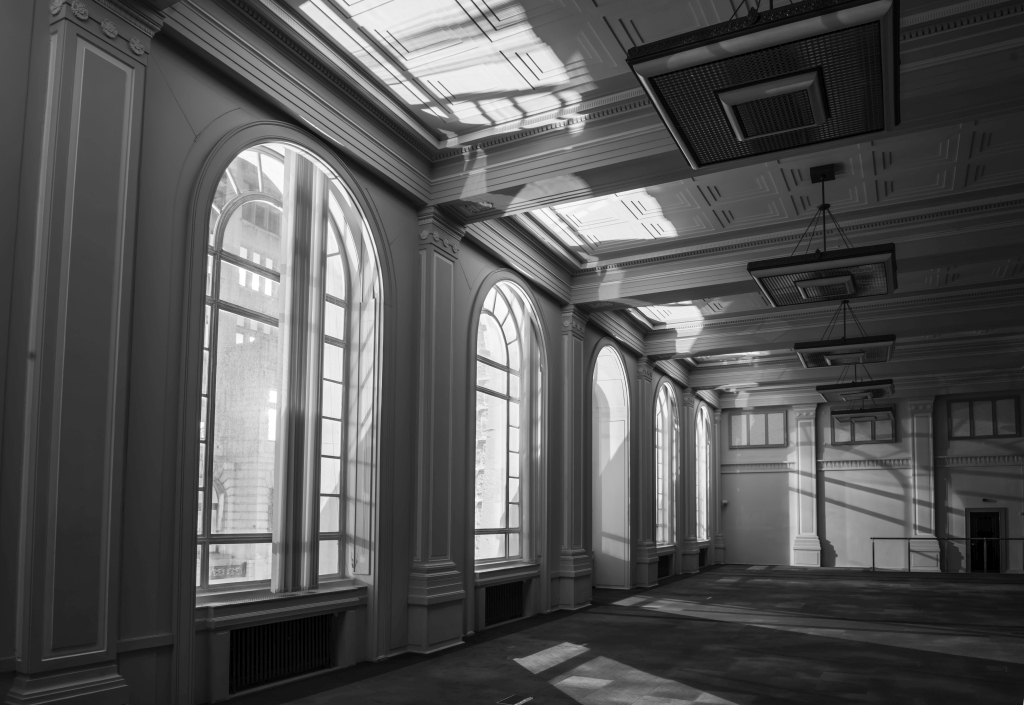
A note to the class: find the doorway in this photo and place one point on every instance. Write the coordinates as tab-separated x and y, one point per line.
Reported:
984	534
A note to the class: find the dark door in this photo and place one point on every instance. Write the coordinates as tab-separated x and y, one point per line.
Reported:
984	551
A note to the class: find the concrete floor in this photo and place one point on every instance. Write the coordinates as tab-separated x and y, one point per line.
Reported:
732	634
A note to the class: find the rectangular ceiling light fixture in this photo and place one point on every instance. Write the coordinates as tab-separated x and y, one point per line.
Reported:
881	413
857	391
846	351
824	276
801	74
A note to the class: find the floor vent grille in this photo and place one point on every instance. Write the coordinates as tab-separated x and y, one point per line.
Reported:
273	652
503	602
664	566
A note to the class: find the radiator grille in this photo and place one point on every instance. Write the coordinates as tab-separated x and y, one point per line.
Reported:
503	602
664	566
272	652
702	558
767	116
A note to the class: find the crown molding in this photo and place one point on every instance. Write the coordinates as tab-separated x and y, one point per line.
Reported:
866	464
674	370
975	461
508	243
618	325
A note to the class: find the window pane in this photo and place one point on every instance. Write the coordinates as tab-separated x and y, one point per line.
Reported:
491	378
513	464
738	424
199	565
245	172
513	516
983	418
329	557
206	371
1006	417
883	430
254	229
491	425
330	511
202	418
273	175
862	430
334	321
243	457
202	464
490	546
777	428
248	290
239	562
513	355
841	431
330	437
513	414
757	429
513	439
513	546
330	476
513	490
332	400
489	341
960	425
336	276
199	515
334	362
500	307
513	386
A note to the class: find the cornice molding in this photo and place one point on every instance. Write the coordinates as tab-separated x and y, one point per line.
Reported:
675	370
866	464
969	461
744	468
711	397
984	11
143	20
534	263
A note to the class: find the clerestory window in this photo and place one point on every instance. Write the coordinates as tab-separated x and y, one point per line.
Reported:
287	425
666	460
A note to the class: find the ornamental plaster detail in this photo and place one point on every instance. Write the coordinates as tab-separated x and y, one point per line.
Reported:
573	321
922	407
687	400
740	468
149	23
55	6
79	9
441	241
136	46
109	29
644	370
866	464
808	411
955	461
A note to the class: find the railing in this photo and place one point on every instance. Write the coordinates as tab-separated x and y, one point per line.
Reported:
908	539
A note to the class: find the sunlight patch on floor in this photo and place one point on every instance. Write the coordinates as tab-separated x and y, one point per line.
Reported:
549	658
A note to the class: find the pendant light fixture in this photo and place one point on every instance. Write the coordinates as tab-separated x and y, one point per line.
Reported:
775	78
824	275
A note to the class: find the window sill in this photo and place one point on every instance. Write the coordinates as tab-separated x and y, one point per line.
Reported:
247	607
496	573
665	549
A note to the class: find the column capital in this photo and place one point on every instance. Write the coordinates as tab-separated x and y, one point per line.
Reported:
921	405
129	27
439	231
688	400
574	321
805	411
644	369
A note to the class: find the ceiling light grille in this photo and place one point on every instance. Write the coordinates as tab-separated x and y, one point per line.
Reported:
857	391
827	276
846	351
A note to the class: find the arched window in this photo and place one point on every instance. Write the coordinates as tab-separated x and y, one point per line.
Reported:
287	426
703	448
666	462
610	489
509	378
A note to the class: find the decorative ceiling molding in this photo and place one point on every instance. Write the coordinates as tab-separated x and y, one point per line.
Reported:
675	370
984	11
866	464
618	325
975	461
745	468
504	240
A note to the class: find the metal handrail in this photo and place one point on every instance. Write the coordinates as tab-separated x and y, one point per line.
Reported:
908	539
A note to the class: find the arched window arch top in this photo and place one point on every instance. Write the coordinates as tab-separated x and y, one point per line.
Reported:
290	357
703	474
508	407
666	462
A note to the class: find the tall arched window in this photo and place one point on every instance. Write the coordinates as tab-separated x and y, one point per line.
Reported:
666	461
703	447
509	378
287	426
610	489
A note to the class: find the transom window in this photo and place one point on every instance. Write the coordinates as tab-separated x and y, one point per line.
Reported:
286	245
666	461
509	375
862	430
985	418
757	429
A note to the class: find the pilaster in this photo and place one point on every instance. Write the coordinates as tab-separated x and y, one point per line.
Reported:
806	545
646	564
925	552
575	564
718	539
74	363
436	591
688	558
